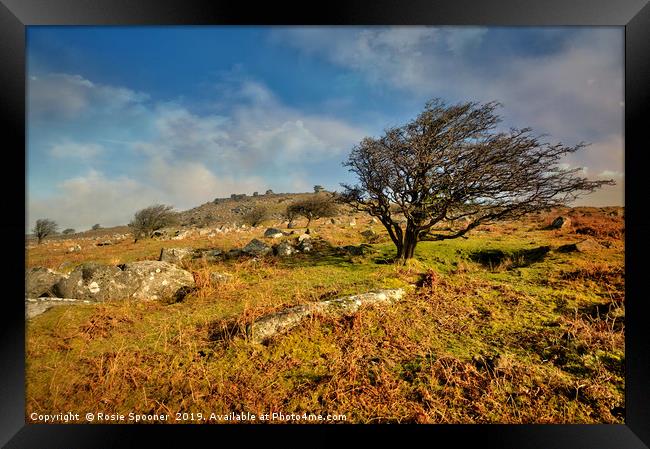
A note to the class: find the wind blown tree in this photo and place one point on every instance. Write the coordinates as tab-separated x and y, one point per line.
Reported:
451	164
312	208
43	228
68	231
150	219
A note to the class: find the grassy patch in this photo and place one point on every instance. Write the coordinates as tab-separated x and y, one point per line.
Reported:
493	330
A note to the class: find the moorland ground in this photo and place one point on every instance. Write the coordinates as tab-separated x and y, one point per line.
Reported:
495	328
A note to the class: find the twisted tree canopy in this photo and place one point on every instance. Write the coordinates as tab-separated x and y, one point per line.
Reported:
451	164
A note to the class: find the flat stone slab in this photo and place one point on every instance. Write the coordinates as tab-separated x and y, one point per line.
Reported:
37	306
271	325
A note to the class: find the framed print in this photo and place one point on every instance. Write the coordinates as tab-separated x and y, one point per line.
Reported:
419	220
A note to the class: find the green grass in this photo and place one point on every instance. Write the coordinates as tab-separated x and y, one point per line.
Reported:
525	340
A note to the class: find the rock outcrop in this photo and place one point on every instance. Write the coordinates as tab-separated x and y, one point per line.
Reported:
284	249
271	325
257	248
146	280
559	222
273	233
176	255
40	281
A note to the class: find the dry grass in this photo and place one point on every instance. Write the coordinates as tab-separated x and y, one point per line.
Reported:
528	341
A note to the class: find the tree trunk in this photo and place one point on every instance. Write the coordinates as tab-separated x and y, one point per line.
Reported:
409	243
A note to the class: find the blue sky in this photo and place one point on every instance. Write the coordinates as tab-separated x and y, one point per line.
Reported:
122	117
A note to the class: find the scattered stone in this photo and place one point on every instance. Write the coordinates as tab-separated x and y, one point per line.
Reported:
74	249
559	222
353	222
234	253
220	278
269	326
257	248
306	246
180	235
582	246
40	281
155	280
211	255
284	249
93	282
37	306
273	233
175	255
146	280
304	237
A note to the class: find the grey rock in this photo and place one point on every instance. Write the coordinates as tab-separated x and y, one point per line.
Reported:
306	246
284	249
41	281
271	325
273	233
156	280
583	246
93	282
304	237
257	248
559	223
37	306
74	249
234	253
175	255
146	280
211	255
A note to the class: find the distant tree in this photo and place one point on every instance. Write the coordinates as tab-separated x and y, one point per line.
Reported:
313	207
450	164
150	219
318	188
256	215
68	231
255	193
96	227
44	227
268	192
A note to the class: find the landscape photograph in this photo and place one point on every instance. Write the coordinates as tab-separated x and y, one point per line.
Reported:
324	225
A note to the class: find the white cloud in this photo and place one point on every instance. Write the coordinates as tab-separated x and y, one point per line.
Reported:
66	96
185	158
256	134
573	94
76	150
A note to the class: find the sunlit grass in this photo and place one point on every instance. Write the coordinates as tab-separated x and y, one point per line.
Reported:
511	339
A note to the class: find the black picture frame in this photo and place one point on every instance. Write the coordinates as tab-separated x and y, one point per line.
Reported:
634	15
